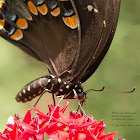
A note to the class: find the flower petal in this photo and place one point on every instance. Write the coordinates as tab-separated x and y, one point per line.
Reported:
15	132
63	134
97	127
10	122
27	117
3	138
101	130
106	136
27	127
81	136
88	124
41	114
65	118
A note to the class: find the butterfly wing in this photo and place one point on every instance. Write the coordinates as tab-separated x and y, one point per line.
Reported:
66	35
101	20
43	31
108	32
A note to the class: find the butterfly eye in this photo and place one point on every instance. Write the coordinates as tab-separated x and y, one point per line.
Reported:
81	95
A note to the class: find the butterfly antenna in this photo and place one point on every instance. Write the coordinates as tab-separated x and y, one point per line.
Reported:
79	102
95	89
131	91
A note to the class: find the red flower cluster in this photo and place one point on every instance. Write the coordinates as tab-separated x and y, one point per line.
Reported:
56	125
120	138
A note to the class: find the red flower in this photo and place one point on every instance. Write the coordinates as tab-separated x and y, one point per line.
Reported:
81	128
120	138
57	125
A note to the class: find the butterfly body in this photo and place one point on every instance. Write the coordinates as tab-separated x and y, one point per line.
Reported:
71	37
52	85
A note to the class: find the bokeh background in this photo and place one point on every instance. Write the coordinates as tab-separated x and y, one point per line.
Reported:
120	71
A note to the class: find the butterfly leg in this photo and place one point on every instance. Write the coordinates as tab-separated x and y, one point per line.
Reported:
79	102
39	98
54	103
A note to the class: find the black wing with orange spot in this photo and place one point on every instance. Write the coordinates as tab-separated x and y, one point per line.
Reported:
66	35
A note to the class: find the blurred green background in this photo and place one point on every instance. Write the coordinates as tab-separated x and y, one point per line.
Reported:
120	71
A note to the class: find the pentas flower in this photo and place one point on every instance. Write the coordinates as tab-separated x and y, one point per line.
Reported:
120	138
56	125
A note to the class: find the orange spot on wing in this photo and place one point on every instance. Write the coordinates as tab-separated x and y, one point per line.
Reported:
1	4
25	100
43	9
22	23
70	21
64	0
32	8
17	35
56	12
2	24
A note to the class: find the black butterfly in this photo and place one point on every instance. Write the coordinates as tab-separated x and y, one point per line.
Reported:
71	37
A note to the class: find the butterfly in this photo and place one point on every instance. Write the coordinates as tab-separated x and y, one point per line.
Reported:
71	37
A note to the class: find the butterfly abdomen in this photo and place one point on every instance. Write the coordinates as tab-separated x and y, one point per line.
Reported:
34	88
50	84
